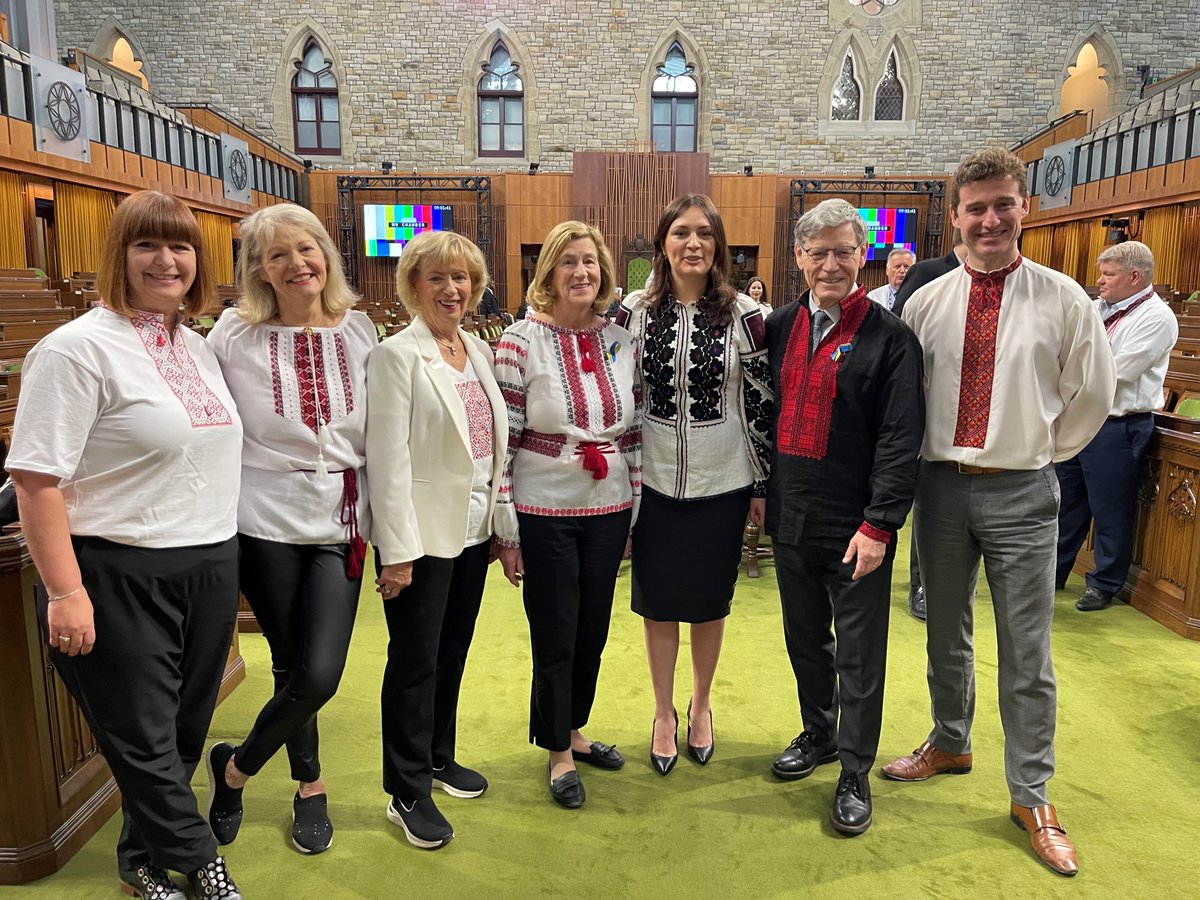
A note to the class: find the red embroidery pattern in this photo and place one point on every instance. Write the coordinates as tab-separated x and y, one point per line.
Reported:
979	355
577	407
544	444
875	534
588	511
347	389
177	368
309	361
809	386
479	418
276	381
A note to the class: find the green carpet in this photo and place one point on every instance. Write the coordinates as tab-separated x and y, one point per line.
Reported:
1127	747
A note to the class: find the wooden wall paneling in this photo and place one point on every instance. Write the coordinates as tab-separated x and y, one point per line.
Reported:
20	139
1188	278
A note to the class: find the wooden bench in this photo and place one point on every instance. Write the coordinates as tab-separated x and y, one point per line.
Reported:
36	315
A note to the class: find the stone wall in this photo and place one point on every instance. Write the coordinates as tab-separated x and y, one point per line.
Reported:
989	71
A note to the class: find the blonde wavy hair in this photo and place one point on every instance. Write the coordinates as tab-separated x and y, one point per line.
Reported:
258	302
540	295
438	248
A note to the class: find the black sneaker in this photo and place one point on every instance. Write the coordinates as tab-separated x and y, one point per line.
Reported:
224	802
312	832
851	813
212	882
150	883
459	781
423	824
1094	599
802	757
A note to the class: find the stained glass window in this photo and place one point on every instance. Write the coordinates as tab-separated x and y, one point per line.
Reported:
674	98
873	7
889	94
501	106
847	95
315	116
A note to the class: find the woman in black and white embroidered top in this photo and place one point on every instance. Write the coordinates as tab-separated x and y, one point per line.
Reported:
125	457
294	354
705	454
571	487
435	448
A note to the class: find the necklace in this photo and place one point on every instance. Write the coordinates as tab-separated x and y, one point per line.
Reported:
453	350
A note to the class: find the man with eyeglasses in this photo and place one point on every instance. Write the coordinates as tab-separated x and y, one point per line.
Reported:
849	421
1019	377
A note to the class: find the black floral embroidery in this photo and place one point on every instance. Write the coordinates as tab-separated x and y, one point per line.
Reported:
706	372
658	362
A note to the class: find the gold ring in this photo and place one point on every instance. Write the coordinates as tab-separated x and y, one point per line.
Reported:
63	637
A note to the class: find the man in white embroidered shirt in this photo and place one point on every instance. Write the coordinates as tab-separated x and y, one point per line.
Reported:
899	261
1101	482
1019	376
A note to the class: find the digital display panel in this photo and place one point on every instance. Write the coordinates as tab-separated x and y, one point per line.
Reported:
387	228
889	229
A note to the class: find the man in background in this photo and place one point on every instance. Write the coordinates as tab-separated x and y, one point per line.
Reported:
899	261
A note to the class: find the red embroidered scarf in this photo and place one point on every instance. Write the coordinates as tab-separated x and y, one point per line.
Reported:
809	385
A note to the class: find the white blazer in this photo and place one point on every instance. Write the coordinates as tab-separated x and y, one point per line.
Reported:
419	465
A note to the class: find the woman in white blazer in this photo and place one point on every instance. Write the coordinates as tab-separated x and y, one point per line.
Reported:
437	433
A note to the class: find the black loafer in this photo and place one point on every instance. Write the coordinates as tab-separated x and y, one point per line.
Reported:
601	756
224	802
566	789
1094	599
851	813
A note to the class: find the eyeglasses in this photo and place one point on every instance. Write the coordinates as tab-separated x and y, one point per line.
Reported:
820	254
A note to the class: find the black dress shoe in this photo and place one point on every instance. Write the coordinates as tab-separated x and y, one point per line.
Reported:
802	757
601	756
851	813
700	754
566	789
150	882
1094	599
664	764
916	603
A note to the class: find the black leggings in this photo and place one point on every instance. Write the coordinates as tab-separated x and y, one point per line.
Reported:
306	606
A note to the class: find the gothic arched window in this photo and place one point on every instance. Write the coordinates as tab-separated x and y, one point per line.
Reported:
501	106
315	117
846	103
889	94
674	97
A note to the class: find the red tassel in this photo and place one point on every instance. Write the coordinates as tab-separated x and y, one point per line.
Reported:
349	518
585	352
358	553
594	461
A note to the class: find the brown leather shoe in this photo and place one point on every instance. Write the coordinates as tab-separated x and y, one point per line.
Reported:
925	762
1050	841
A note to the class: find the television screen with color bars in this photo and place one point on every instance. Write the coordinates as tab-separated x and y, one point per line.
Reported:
888	229
387	228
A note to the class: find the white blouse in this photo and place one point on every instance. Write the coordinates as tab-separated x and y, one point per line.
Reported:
706	397
302	394
571	403
137	424
479	425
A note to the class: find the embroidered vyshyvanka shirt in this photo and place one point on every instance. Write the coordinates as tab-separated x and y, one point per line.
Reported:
137	423
706	397
287	382
572	415
478	408
1051	380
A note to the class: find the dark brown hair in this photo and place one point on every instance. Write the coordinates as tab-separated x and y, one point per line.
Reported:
984	165
718	301
159	217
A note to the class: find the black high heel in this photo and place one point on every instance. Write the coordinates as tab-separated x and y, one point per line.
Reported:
700	754
664	764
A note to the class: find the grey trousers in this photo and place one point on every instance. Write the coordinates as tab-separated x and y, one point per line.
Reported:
1010	521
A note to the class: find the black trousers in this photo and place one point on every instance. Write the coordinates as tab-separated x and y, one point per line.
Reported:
306	606
164	619
571	567
844	675
430	626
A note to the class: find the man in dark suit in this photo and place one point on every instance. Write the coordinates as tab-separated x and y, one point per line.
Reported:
849	423
918	276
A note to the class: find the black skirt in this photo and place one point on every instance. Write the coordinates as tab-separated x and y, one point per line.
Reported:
686	555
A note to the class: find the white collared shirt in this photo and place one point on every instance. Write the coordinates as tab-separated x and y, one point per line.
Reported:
1141	345
885	296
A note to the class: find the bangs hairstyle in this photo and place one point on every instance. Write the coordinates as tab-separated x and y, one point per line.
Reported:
540	295
720	296
984	165
438	249
257	232
152	215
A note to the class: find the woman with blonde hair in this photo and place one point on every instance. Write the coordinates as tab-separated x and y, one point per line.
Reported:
436	438
294	354
125	459
571	487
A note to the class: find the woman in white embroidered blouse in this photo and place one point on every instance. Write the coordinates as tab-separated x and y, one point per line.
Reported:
294	354
571	487
436	438
125	459
703	371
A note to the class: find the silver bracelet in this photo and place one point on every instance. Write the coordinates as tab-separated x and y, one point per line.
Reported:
66	595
